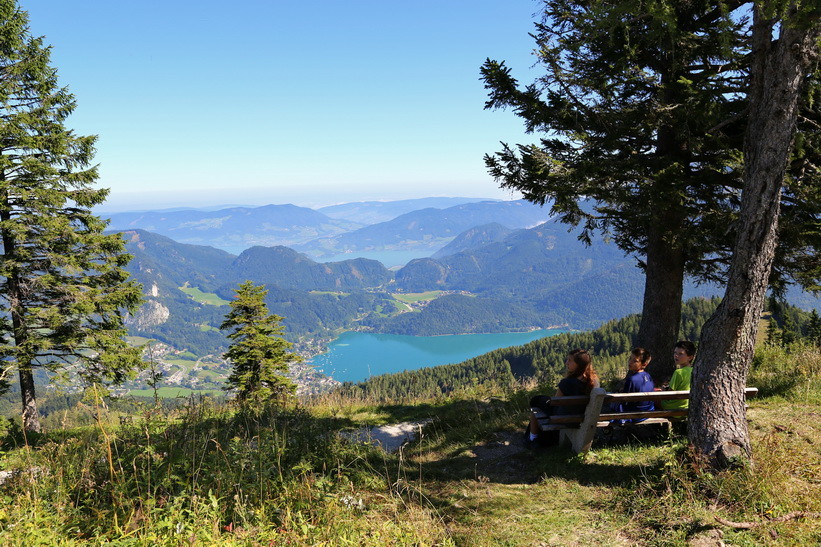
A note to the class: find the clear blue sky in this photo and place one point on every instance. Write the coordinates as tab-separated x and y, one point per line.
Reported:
311	102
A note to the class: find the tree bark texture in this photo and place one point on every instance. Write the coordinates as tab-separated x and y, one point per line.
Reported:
661	309
31	417
664	271
718	426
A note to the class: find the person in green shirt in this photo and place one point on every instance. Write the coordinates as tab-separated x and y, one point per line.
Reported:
683	355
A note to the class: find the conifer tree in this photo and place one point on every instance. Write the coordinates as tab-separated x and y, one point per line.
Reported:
641	111
63	286
814	328
258	353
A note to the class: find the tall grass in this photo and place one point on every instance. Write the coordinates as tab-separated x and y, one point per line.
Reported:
208	473
791	372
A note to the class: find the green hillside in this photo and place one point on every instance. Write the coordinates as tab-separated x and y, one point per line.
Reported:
289	269
201	472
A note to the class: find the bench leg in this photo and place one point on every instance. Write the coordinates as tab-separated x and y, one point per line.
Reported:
581	439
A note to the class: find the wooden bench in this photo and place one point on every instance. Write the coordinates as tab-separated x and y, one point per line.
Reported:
578	430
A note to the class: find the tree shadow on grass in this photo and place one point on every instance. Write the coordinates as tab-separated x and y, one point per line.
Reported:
503	456
484	440
511	464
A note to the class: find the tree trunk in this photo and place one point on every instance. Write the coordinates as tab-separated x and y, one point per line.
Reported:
664	272
31	418
661	310
718	426
14	295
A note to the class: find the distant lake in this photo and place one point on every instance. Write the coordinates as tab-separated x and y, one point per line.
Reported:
355	356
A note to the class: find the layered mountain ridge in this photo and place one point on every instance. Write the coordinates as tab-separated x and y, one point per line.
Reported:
488	277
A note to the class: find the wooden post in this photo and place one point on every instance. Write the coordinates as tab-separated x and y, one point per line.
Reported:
580	439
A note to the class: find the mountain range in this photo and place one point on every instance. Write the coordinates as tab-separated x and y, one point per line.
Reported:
429	229
374	212
485	276
423	224
236	228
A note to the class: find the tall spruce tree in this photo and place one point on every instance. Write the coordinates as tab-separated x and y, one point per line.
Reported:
63	286
258	353
642	111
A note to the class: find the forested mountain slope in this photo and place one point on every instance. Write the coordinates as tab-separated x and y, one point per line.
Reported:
473	238
526	261
459	314
162	266
287	268
165	268
162	261
545	269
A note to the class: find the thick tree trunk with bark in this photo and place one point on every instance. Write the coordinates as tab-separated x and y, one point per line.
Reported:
661	310
664	271
718	426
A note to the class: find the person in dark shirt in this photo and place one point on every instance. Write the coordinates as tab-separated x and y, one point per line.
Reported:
636	381
580	379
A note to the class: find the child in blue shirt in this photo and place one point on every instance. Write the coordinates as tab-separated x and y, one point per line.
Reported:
637	381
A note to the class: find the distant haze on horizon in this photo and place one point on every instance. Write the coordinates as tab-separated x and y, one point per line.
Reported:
256	197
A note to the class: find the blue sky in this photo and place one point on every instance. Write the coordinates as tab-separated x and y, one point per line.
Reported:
311	102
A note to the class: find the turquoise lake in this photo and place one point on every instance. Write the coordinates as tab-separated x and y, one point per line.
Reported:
355	356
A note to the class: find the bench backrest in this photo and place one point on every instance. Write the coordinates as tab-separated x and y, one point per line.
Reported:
578	400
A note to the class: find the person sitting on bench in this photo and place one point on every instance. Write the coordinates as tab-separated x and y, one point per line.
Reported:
636	381
579	380
683	355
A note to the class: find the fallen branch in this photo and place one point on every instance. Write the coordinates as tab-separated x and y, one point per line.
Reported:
783	518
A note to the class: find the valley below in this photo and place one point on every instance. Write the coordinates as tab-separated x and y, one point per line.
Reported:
479	269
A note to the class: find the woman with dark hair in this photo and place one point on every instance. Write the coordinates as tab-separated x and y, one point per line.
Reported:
580	379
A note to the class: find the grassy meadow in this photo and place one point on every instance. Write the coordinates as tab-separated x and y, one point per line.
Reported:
208	473
203	297
416	297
